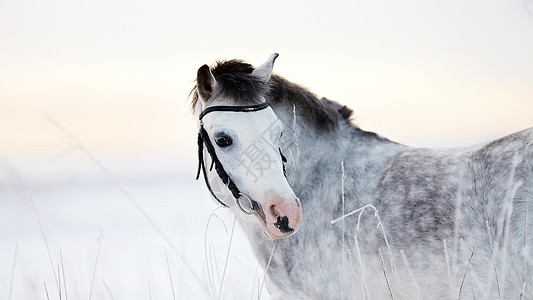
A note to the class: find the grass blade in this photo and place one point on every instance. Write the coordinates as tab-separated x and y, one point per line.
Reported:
12	273
100	238
45	243
170	275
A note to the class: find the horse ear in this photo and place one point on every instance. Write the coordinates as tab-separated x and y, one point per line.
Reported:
205	82
264	71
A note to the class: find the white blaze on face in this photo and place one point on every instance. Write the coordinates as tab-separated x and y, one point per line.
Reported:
253	161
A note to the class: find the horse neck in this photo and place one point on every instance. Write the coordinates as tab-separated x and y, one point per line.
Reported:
314	172
317	154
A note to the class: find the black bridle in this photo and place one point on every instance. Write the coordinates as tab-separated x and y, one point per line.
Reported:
246	205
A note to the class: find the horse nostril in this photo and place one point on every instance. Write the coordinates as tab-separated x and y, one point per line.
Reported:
283	224
278	215
273	211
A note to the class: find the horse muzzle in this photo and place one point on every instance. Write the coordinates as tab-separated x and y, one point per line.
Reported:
282	217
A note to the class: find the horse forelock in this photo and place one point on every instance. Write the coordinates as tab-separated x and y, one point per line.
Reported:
236	82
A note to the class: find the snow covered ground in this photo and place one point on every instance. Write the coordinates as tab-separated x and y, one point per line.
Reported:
107	240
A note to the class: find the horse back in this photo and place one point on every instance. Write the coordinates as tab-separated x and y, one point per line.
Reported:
431	194
476	199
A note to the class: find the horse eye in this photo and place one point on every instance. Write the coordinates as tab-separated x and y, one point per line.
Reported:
223	141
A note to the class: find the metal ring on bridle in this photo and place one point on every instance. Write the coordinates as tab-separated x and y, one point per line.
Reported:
248	207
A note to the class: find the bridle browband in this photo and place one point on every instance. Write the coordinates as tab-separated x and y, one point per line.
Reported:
249	206
244	108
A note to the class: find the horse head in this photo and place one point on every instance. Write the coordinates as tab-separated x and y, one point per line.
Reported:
239	136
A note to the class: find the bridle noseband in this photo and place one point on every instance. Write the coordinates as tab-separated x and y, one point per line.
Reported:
245	204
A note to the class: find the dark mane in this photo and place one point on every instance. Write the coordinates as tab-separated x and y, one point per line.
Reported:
237	82
323	113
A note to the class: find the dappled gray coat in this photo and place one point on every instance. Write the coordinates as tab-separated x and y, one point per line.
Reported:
419	223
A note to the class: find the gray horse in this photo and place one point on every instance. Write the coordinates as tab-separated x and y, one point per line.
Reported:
335	212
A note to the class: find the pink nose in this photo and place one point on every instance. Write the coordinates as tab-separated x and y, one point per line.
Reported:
283	217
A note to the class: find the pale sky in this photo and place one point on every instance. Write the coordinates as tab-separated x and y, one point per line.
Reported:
117	74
